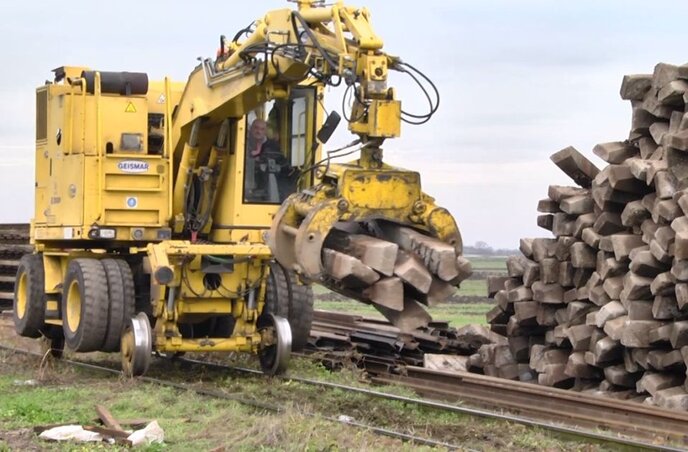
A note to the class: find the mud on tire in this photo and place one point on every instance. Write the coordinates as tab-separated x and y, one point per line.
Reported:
29	296
85	305
287	298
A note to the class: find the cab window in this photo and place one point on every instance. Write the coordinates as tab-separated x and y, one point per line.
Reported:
279	134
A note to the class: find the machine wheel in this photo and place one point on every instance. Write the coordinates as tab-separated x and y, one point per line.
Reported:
136	346
85	305
291	300
129	290
121	301
115	322
275	348
29	296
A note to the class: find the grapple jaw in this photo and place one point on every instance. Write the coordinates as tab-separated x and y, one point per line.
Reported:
372	235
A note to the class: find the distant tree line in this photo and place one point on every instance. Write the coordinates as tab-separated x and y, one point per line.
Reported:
481	248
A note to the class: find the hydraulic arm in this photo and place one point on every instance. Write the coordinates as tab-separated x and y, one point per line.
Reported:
332	45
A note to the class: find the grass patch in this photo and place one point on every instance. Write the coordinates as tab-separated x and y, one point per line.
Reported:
194	422
461	314
488	263
473	288
42	405
190	421
348	306
457	314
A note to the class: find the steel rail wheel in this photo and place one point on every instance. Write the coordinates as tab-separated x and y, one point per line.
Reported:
275	348
136	346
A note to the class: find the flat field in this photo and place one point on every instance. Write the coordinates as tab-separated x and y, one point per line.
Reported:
468	305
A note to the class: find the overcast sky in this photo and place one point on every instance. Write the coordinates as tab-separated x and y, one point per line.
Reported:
519	81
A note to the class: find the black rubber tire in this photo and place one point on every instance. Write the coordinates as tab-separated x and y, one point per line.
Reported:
115	323
286	297
33	316
129	290
90	280
121	299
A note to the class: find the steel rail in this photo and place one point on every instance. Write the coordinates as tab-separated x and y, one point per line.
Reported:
559	428
253	403
619	415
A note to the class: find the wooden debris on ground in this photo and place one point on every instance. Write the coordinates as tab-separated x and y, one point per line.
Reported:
110	431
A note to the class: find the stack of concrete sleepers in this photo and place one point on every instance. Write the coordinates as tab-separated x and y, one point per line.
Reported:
394	268
603	304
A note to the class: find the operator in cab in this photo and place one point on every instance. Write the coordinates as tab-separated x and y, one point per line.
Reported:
266	165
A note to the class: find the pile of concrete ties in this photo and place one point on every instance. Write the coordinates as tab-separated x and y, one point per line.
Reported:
394	268
603	305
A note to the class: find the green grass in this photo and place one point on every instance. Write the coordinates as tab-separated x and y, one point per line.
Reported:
20	406
320	290
457	314
473	288
190	421
488	263
194	422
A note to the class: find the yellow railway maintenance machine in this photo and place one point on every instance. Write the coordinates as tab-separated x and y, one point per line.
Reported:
154	199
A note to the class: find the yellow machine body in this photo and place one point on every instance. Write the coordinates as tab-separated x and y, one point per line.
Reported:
99	196
85	173
177	183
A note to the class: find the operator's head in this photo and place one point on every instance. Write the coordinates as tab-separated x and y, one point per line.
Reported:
258	130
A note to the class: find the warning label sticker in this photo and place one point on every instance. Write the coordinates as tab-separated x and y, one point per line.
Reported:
130	108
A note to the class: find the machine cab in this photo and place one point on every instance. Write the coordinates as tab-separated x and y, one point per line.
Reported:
273	151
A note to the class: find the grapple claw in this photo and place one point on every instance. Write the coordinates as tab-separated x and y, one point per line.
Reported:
390	256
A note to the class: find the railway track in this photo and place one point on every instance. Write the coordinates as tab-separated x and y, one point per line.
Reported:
389	358
594	418
590	418
218	394
555	407
363	341
14	243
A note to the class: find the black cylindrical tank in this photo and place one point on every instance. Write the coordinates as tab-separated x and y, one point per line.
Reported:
125	83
